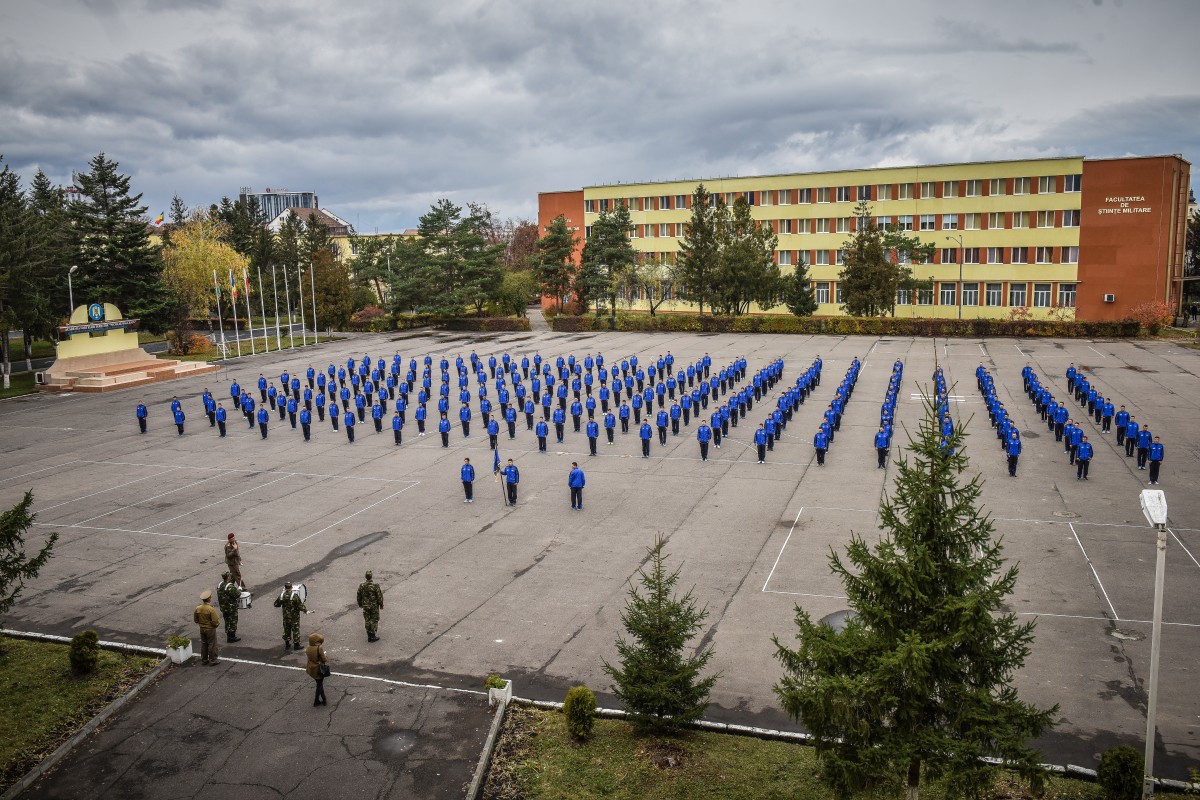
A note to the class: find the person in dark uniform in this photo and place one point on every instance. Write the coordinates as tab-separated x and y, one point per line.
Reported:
349	421
881	448
468	479
661	420
541	431
179	418
593	433
1013	449
1157	454
559	421
646	433
575	482
510	417
820	444
444	430
221	415
511	478
142	414
761	437
703	436
306	423
1144	440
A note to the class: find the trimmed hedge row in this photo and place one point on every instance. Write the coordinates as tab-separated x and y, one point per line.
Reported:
848	326
407	322
486	324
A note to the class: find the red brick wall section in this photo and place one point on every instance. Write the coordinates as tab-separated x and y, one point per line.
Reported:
570	205
1131	213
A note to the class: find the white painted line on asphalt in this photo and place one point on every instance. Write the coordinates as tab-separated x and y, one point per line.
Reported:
148	499
37	471
48	428
1097	352
1184	546
154	533
1022	352
102	491
781	549
1106	619
216	502
1092	567
807	594
355	514
980	346
390	681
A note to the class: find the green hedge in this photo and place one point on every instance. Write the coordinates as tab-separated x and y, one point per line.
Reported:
847	326
486	324
408	322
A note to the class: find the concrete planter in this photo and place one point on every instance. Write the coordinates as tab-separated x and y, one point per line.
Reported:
501	696
179	655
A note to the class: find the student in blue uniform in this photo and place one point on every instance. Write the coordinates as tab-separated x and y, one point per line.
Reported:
881	448
334	416
210	408
610	425
397	427
263	417
593	432
541	431
468	480
761	439
1157	454
703	436
510	418
528	409
821	443
142	414
1144	440
576	414
646	433
444	430
559	418
1083	459
1122	419
221	415
512	477
419	415
262	387
349	421
769	426
306	423
377	417
360	403
576	481
1013	449
292	408
179	418
464	416
1131	434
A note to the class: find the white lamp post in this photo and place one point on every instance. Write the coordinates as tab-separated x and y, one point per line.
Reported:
958	294
1154	507
71	292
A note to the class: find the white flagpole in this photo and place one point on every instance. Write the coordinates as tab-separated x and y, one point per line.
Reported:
220	322
246	284
275	288
233	303
287	296
312	285
300	283
262	303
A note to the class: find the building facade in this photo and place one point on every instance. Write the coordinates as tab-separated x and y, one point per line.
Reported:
275	202
1059	237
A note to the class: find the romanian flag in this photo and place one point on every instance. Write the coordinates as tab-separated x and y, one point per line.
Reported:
158	221
233	285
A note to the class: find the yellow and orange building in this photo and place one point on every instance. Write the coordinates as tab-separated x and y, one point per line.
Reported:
1075	237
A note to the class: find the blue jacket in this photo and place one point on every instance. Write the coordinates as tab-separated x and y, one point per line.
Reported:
1085	451
662	419
881	440
443	425
467	472
1131	428
593	429
179	416
420	413
1061	415
493	427
464	413
610	421
141	411
760	436
1156	451
1013	446
263	416
510	415
221	415
575	478
1122	418
305	416
541	429
511	474
821	441
558	416
349	419
1145	439
397	423
703	433
646	431
576	408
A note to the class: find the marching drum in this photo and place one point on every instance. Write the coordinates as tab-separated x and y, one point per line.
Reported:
298	590
245	600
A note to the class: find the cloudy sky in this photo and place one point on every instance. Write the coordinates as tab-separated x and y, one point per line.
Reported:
383	107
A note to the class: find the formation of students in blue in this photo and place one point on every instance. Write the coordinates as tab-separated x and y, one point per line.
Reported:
831	419
887	415
1006	430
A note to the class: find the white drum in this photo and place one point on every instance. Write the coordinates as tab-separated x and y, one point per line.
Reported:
245	600
298	590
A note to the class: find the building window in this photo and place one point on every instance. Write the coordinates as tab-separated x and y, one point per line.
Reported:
927	190
864	192
680	231
970	255
949	255
1020	255
903	297
883	191
589	206
785	258
1016	295
996	221
803	196
604	205
929	222
949	188
993	294
841	257
903	258
883	222
947	296
843	224
925	297
764	198
1020	185
996	187
802	225
971	222
949	222
587	232
995	255
1020	219
822	291
823	194
633	234
1072	183
904	191
823	225
822	258
974	189
1070	255
970	294
785	197
904	222
664	229
785	226
1071	218
843	194
1045	219
840	295
1066	291
681	201
1041	295
1044	255
1046	184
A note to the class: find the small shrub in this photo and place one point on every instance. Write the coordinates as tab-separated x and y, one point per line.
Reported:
85	652
1121	773
580	711
176	642
494	681
1153	315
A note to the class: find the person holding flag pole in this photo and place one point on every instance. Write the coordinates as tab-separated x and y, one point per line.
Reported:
220	322
262	303
246	280
237	337
496	472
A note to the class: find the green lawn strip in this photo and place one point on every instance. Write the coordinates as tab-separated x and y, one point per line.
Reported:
43	704
536	759
19	383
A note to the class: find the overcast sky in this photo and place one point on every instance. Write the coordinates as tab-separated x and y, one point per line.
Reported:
383	107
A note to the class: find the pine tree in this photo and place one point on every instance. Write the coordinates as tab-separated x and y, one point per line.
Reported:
746	270
15	566
608	257
480	260
178	212
660	687
921	680
797	292
554	263
334	295
699	250
869	279
16	249
117	262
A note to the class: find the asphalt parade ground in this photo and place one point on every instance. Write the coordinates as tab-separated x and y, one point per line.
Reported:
534	592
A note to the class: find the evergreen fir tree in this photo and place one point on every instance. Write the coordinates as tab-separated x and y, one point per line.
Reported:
480	259
16	249
797	292
869	279
660	687
335	296
608	257
554	263
178	212
746	270
699	250
118	264
15	566
920	682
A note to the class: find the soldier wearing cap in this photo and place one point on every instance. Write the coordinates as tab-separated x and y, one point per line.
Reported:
292	607
206	617
228	593
233	559
370	600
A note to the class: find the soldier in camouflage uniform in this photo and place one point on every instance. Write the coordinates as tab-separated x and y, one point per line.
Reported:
228	593
370	600
292	608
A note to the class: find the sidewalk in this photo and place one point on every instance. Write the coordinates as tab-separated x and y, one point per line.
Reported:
537	320
249	730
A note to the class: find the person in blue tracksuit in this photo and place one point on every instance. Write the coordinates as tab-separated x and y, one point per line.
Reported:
646	433
623	413
676	412
349	421
464	416
1013	449
1144	440
610	426
761	439
703	436
528	410
510	418
468	480
263	417
541	431
1157	454
419	415
718	421
235	391
1122	419
179	418
292	407
142	414
576	481
262	387
222	415
821	443
377	417
662	420
444	430
881	448
1105	412
1083	459
1074	439
512	477
1131	434
210	408
397	427
769	426
559	418
306	423
593	433
493	431
360	403
576	414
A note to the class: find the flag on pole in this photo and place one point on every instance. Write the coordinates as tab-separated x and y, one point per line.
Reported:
246	280
217	284
158	221
496	462
233	285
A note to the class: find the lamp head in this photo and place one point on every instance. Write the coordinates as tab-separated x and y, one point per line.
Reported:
71	271
1154	506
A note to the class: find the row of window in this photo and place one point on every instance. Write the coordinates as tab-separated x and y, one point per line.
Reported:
949	255
947	294
993	187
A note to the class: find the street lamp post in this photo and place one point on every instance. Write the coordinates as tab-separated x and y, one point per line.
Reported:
958	294
71	292
1154	507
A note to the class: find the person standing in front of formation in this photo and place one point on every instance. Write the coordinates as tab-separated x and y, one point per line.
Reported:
881	448
1157	454
142	413
263	418
179	418
1013	448
760	442
228	593
1083	459
511	478
468	480
317	666
370	600
221	415
292	607
645	433
206	617
703	436
233	559
576	481
820	444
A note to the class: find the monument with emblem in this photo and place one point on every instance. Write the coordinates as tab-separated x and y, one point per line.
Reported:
99	351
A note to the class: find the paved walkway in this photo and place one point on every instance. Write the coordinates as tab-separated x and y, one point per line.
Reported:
537	320
249	730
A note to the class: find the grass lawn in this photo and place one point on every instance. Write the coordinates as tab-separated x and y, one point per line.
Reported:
43	704
535	758
19	383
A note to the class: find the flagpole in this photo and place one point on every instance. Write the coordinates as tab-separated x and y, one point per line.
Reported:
262	303
287	294
220	322
249	321
312	285
496	471
300	283
275	291
237	336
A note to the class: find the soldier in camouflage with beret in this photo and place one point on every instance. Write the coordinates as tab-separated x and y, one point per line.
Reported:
292	607
228	593
370	600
